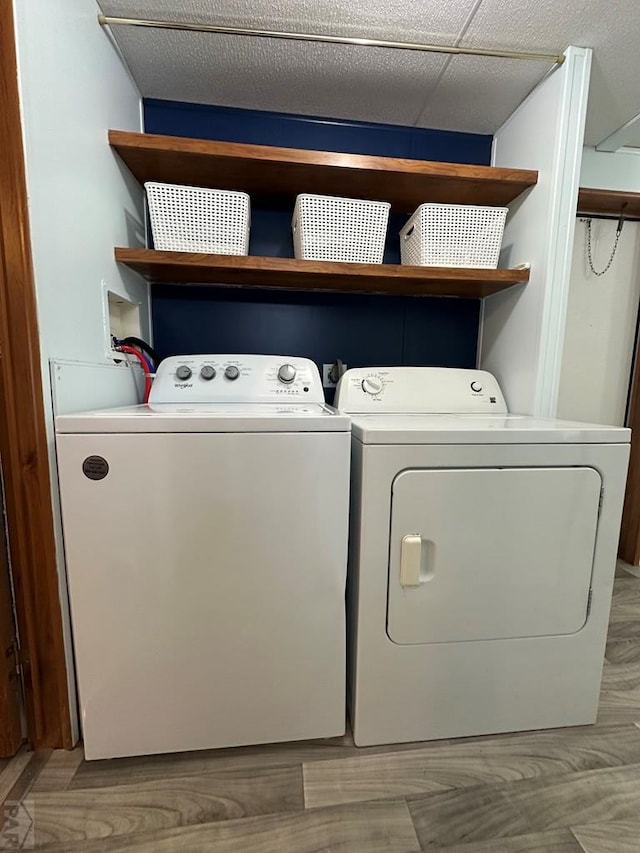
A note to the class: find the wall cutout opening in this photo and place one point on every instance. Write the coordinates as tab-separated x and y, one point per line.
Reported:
123	318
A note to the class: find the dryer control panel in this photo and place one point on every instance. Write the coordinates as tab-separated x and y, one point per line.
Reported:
237	379
419	390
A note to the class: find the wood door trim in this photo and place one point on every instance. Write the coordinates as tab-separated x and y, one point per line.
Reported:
629	546
10	723
23	436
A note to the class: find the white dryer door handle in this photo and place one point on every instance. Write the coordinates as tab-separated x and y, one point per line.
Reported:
416	560
410	560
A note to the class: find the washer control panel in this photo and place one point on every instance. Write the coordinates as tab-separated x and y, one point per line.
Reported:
419	390
236	378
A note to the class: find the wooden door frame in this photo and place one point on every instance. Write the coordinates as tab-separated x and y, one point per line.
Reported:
23	434
629	547
10	705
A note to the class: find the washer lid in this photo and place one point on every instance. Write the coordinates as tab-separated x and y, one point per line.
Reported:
481	429
206	417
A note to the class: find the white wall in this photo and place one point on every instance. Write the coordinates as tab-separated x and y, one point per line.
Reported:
601	324
602	312
82	202
522	328
611	171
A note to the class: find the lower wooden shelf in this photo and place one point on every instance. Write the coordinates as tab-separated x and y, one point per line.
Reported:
251	271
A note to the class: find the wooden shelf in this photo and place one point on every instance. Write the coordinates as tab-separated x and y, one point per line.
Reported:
281	173
189	268
608	203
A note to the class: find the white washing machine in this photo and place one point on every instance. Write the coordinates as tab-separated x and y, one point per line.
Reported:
206	546
482	557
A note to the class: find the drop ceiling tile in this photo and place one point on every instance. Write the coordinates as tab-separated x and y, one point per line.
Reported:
547	25
611	28
368	84
382	85
430	20
477	94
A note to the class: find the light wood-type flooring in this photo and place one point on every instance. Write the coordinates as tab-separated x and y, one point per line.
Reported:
561	791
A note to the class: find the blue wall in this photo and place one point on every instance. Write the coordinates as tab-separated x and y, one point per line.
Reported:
362	329
320	134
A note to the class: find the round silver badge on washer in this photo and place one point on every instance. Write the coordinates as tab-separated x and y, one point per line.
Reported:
95	467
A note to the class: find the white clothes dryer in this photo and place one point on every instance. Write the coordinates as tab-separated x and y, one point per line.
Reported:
482	556
206	548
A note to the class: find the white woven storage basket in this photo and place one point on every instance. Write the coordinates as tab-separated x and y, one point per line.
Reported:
453	235
328	228
197	219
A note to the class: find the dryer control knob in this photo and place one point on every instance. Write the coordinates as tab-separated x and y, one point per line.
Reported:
207	372
231	372
183	372
287	373
371	385
476	386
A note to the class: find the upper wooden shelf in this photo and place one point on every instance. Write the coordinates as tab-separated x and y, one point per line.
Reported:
608	202
289	273
281	173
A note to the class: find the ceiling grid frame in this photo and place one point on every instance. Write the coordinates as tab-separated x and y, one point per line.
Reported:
456	42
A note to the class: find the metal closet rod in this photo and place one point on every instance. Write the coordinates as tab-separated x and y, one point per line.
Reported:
620	219
111	21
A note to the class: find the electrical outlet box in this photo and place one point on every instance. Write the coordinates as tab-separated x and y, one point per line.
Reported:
327	382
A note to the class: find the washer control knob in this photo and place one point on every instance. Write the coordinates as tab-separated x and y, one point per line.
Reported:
183	372
371	385
231	372
476	386
207	372
287	373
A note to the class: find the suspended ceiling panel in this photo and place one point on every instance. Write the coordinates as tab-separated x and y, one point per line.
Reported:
384	19
460	100
373	84
281	76
342	81
610	27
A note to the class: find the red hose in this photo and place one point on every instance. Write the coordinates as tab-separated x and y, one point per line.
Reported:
145	366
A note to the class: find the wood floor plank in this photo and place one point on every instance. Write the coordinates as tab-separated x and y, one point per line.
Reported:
623	651
465	815
625	603
59	770
146	768
352	780
620	694
580	798
624	629
627	570
82	815
617	712
621	569
490	812
620	676
464	764
556	841
610	837
383	826
13	771
24	783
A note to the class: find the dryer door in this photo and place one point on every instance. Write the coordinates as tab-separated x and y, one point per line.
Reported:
490	553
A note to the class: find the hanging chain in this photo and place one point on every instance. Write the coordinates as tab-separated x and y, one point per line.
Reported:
613	251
